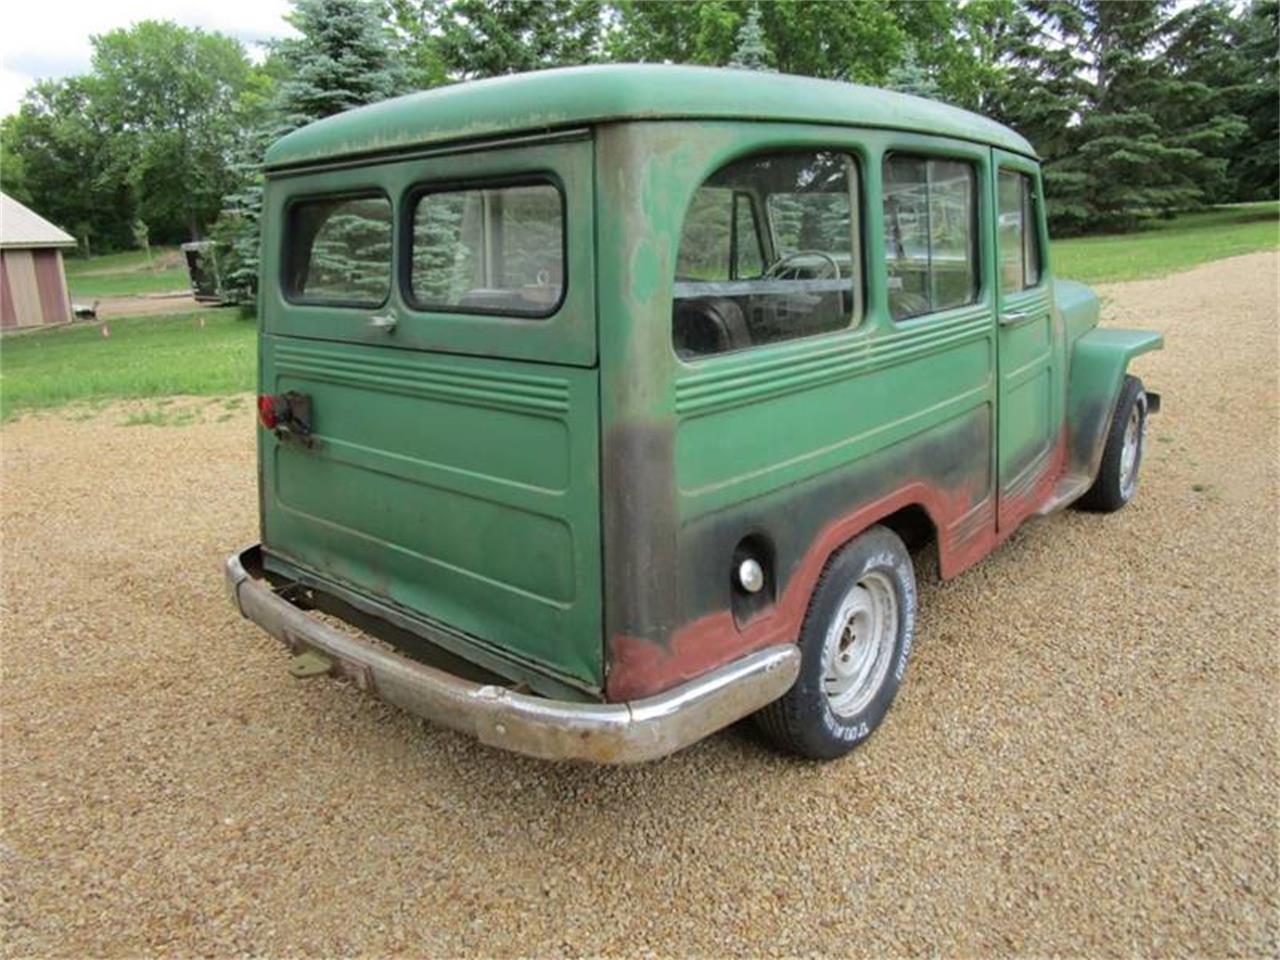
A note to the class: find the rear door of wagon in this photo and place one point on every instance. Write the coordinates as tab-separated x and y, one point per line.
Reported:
437	315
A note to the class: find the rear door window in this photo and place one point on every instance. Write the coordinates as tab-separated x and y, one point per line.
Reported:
471	245
488	250
339	251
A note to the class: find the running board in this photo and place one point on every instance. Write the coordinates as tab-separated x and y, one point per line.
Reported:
1070	487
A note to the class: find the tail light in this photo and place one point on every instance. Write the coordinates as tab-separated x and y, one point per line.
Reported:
269	411
287	415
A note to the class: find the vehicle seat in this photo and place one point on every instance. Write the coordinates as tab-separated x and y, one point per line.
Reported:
709	325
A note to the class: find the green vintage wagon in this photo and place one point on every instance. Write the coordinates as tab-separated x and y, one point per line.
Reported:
603	407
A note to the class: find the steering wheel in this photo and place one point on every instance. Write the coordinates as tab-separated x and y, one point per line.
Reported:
790	262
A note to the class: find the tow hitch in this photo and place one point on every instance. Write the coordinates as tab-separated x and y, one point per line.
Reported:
310	664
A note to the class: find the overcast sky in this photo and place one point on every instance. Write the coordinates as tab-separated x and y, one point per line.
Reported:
50	38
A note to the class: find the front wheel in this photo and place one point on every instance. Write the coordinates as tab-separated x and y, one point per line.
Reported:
1117	479
854	647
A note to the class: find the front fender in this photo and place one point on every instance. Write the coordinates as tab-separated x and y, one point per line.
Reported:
1098	363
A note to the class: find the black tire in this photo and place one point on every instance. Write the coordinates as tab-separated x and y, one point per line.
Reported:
1113	488
803	720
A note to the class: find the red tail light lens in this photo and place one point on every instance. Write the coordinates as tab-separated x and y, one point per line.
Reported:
267	411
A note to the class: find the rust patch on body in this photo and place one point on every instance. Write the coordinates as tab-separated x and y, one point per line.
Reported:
967	532
641	667
1017	507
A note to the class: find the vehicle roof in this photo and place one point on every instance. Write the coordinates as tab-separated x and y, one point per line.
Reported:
548	100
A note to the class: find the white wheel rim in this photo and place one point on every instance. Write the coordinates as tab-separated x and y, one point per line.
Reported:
859	644
1129	452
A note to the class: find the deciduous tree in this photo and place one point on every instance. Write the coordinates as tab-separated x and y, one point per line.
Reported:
168	92
474	39
66	151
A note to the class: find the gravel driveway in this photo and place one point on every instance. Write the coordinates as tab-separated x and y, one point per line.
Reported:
1083	759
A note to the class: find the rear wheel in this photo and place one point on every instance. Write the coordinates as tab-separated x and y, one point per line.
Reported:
854	647
1117	479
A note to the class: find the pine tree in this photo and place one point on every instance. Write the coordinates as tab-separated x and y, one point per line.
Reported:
342	59
236	234
752	51
1125	132
1254	169
442	258
1226	60
911	77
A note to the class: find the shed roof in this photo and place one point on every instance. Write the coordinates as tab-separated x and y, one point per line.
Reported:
573	96
22	227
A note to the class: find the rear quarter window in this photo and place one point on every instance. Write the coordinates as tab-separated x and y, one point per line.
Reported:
338	250
769	252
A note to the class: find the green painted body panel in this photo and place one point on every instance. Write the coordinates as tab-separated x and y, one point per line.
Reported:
580	96
1031	352
455	477
1079	307
565	496
778	441
1099	360
463	490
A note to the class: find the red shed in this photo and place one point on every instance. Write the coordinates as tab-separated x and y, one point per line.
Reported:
33	285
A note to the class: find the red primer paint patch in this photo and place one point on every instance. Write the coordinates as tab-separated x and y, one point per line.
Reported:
966	533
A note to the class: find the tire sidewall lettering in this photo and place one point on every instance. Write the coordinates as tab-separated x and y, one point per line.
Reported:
866	554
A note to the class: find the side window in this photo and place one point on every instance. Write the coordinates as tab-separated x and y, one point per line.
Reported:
1019	237
720	239
488	250
748	252
705	238
817	222
338	251
930	234
741	282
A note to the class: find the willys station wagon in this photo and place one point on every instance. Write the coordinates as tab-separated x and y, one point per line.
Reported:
611	404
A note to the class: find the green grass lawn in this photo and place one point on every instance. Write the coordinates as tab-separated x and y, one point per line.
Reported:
1170	246
142	357
127	274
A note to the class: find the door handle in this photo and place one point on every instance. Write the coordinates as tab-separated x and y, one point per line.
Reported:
1017	317
386	323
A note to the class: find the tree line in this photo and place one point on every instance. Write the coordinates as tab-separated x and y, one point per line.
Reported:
1139	109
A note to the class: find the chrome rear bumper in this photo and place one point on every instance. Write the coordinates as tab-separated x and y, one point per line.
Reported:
629	732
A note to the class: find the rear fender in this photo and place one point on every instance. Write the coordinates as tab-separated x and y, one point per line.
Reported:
1099	360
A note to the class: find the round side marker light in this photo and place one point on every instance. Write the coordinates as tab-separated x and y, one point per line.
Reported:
750	576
